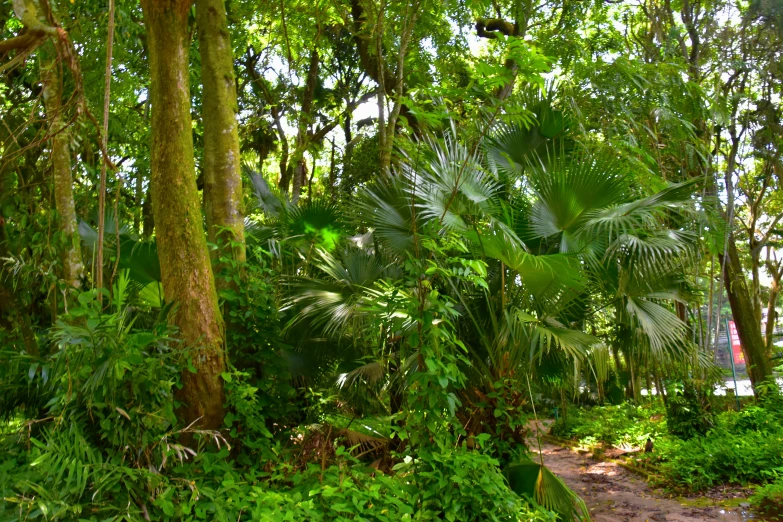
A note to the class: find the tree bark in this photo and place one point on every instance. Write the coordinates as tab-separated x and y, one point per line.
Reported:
774	291
332	177
749	330
51	81
373	63
147	217
182	248
259	86
222	174
105	138
775	269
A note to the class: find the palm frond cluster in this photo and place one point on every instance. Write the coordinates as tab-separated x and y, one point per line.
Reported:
575	259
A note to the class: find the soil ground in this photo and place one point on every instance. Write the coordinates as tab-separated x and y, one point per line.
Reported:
614	494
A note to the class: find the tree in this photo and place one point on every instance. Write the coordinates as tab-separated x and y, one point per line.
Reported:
62	178
182	248
222	174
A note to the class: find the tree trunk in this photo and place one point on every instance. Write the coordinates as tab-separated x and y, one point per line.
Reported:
332	176
774	291
182	248
749	330
300	174
222	174
61	166
147	217
756	284
349	146
660	386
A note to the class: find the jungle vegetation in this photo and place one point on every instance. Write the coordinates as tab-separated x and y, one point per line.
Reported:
330	259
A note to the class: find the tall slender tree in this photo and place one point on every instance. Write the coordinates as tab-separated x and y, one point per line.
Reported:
62	179
222	174
182	248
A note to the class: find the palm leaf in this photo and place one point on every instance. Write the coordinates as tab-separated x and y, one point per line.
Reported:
387	208
539	484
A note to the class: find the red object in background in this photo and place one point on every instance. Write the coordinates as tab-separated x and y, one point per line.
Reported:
736	346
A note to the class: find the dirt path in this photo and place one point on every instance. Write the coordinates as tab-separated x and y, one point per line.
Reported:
614	494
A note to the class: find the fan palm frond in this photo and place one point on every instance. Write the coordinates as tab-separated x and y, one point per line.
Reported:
451	186
537	483
663	328
270	202
338	300
569	190
387	207
622	218
318	223
513	148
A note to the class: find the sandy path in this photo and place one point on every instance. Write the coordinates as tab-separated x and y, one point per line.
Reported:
614	494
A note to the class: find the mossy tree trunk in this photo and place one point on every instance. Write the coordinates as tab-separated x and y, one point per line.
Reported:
182	248
222	175
62	180
742	310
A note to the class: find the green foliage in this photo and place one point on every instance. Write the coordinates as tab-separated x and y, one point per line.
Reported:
109	424
536	482
768	499
722	456
460	484
363	166
385	337
689	413
742	448
258	385
621	425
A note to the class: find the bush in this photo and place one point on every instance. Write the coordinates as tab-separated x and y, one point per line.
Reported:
723	456
769	499
567	428
620	425
106	431
689	413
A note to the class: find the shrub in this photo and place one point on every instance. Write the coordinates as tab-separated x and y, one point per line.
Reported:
689	413
624	424
769	499
722	457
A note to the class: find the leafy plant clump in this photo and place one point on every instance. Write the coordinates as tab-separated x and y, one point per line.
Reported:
622	425
743	448
689	413
105	444
768	499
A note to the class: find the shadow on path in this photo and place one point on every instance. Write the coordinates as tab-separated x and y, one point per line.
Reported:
614	494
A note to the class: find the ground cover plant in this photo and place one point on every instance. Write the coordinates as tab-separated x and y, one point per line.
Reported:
743	448
307	260
624	425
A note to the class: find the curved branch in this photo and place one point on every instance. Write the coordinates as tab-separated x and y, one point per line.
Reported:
490	27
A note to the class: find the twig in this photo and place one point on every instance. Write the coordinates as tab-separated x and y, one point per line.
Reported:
535	416
104	144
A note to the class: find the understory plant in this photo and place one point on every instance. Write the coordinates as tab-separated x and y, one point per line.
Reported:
768	499
620	425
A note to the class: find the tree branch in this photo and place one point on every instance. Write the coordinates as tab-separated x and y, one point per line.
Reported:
489	27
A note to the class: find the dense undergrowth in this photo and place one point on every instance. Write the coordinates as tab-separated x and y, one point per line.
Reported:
742	448
93	433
